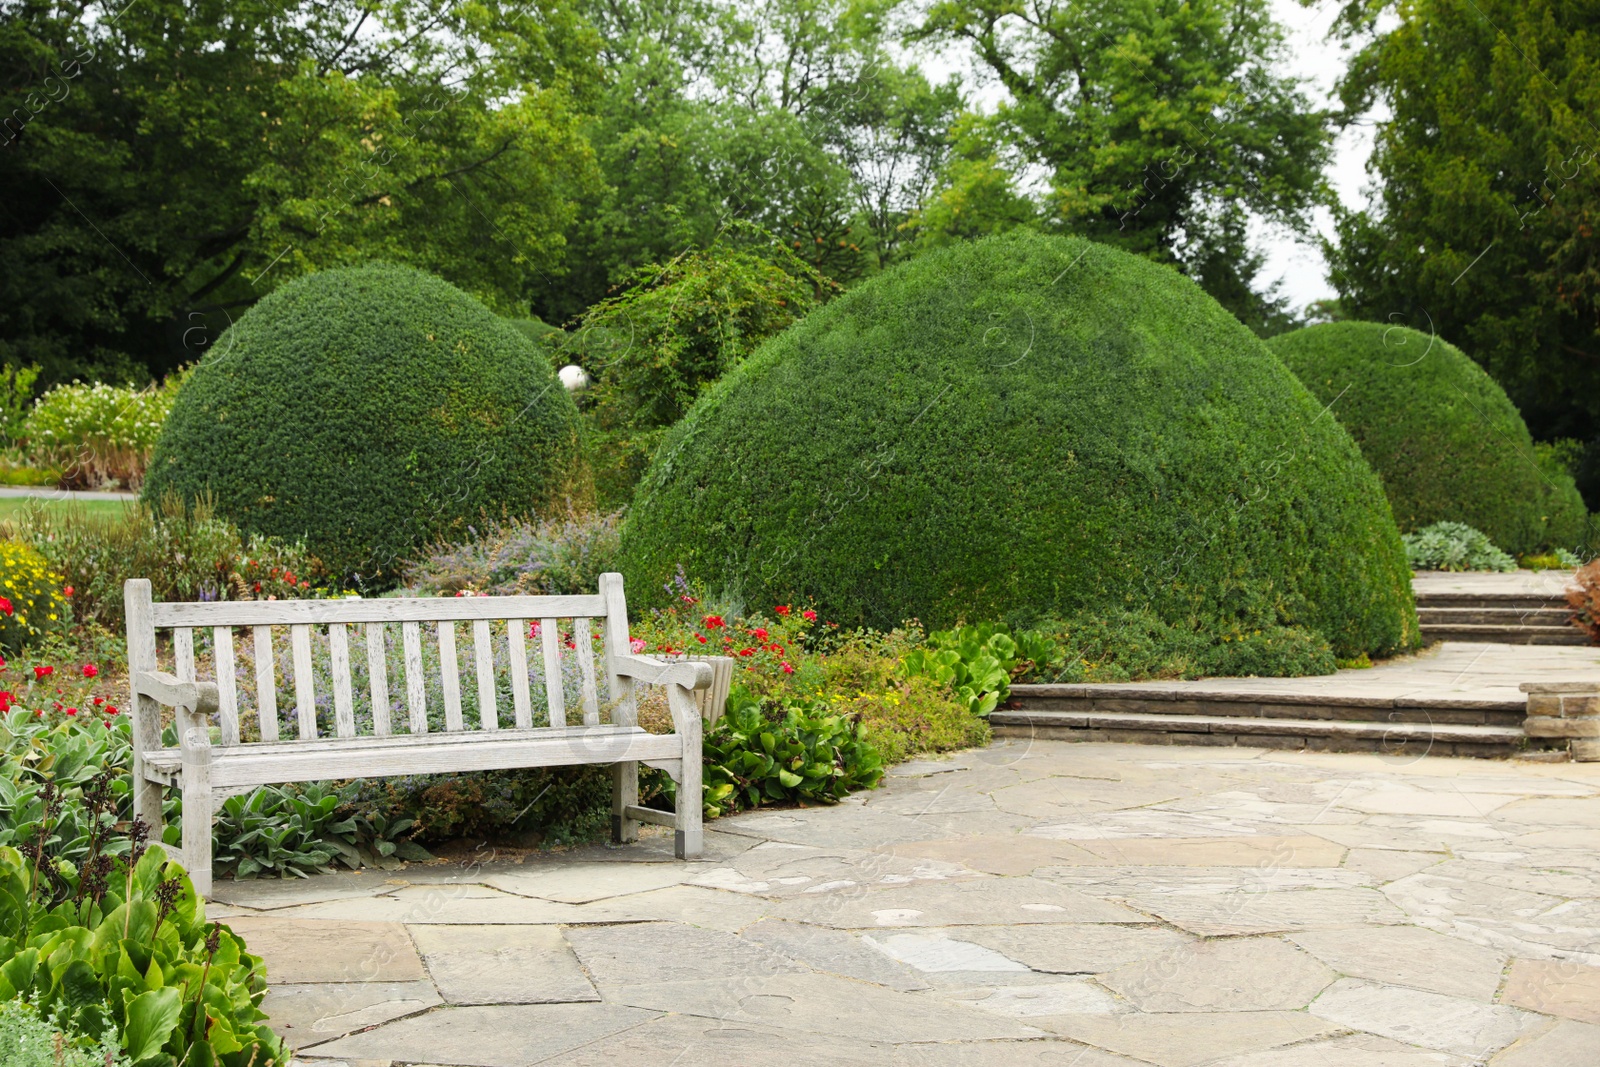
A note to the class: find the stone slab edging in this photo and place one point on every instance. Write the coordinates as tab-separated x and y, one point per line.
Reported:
1567	711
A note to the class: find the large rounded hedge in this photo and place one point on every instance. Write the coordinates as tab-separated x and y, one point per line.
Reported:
1444	439
1025	425
370	410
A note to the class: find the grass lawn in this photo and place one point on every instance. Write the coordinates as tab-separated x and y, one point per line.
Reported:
110	510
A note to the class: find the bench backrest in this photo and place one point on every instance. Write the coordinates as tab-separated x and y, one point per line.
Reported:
501	629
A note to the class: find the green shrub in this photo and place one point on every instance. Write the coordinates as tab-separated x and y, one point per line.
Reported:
769	751
99	434
556	805
1124	646
26	1040
521	557
186	552
371	411
32	602
1455	546
125	947
1020	427
673	330
1445	440
16	397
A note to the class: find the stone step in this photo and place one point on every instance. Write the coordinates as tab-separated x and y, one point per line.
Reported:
1490	600
1495	616
1505	635
1252	704
1397	739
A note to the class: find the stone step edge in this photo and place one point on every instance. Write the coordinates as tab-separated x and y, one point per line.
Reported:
1135	691
1222	724
1491	600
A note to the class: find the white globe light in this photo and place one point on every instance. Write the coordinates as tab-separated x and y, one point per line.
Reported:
573	377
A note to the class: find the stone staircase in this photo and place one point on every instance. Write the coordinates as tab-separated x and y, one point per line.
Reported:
1511	618
1401	726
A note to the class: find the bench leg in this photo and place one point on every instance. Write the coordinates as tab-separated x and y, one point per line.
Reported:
197	811
689	839
624	794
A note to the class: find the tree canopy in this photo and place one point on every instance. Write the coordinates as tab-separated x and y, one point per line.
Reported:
1487	174
167	163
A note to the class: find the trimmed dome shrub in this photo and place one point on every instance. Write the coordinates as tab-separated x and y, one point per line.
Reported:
1443	437
1020	427
371	410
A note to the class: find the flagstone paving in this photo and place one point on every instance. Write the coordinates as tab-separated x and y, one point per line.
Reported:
1032	903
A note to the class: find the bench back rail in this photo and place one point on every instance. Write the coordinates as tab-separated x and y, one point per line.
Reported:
428	632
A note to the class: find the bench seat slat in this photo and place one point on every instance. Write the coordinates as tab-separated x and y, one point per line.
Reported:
343	699
305	686
247	765
266	684
450	676
519	673
378	676
555	697
395	609
227	684
416	688
483	656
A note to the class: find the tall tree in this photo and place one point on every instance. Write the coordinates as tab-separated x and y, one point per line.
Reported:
1161	125
165	163
1488	194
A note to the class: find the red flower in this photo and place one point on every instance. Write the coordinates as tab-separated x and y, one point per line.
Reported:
41	672
782	609
759	633
68	591
2	663
701	638
747	652
288	577
258	587
98	701
5	605
90	670
72	711
6	699
111	709
809	615
787	669
712	622
305	583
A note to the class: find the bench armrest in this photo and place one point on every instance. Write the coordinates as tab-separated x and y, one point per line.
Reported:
686	673
200	698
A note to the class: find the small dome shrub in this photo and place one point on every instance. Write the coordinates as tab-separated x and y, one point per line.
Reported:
1443	437
1020	427
33	601
370	411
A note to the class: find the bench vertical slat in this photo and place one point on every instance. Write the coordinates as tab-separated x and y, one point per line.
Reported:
450	676
266	684
416	690
183	653
519	673
554	695
618	688
344	712
483	654
227	684
584	641
378	675
305	686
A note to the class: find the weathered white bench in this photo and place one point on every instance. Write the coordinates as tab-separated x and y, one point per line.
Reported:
205	771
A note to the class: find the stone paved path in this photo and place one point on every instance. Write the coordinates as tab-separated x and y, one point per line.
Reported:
1075	905
1452	671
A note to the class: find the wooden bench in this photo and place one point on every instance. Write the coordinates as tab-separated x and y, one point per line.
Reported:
370	744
